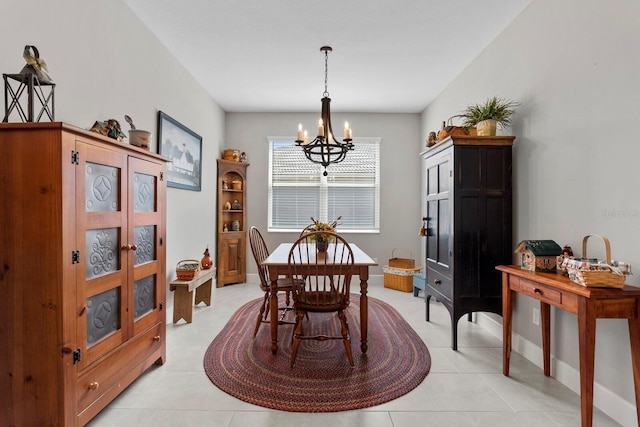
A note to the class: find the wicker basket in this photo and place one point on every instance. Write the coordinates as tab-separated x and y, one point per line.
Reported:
592	273
187	269
400	279
401	262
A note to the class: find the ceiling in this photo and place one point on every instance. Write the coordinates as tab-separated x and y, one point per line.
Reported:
389	56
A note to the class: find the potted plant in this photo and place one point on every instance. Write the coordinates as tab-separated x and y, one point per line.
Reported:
487	116
322	240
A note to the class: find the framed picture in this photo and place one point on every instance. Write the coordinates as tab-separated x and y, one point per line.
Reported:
184	148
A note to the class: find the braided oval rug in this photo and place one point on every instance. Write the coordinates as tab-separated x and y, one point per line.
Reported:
397	360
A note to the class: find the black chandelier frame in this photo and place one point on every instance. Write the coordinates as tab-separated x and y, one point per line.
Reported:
325	149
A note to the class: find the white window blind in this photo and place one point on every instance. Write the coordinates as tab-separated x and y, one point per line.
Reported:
299	191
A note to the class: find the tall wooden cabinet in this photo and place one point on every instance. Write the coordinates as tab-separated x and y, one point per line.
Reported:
82	250
232	222
469	225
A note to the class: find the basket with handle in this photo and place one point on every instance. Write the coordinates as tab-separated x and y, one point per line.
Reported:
398	274
401	262
448	129
590	272
187	269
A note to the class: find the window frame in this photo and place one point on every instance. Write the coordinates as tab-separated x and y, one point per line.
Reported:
324	186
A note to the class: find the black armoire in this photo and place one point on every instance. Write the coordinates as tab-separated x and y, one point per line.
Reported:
468	224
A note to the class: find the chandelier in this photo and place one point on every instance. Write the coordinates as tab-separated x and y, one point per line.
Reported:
325	149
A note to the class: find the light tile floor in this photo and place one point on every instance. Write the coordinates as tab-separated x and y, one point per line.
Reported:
464	388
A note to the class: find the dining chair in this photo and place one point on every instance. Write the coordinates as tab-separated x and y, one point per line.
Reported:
309	228
326	286
260	253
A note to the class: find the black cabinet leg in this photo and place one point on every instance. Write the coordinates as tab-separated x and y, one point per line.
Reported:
427	298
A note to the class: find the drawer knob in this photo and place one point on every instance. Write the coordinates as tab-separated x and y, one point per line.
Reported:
94	386
537	291
156	338
437	281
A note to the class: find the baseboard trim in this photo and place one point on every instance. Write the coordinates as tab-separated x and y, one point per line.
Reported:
611	404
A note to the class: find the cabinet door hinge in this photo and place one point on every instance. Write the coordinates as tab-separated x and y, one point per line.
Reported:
76	356
75	157
161	176
75	257
450	173
161	241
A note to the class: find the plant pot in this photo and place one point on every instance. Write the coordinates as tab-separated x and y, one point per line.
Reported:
140	138
322	245
486	128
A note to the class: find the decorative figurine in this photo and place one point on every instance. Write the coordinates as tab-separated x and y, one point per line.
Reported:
243	157
205	263
225	228
225	186
35	64
110	128
227	206
567	252
236	205
432	139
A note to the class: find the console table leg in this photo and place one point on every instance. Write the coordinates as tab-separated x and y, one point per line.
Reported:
507	301
586	344
545	320
634	338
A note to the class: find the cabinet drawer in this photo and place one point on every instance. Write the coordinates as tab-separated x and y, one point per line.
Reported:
439	283
536	290
104	375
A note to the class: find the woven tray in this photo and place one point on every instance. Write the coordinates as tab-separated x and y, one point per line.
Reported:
592	273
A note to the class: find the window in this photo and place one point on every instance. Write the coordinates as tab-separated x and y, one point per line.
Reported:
299	191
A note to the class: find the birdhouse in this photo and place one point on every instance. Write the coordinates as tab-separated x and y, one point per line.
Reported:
538	255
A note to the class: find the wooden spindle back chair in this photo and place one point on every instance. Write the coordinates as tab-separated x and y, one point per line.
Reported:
326	286
260	253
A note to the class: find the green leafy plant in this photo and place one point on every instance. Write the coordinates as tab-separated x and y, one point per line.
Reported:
498	109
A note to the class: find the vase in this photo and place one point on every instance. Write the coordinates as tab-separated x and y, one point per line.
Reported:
322	245
486	128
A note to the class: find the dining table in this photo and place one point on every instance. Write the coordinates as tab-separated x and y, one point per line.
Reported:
278	265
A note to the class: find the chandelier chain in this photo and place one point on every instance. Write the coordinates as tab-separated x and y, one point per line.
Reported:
326	73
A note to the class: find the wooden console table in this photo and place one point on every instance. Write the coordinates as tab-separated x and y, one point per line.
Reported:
588	304
183	298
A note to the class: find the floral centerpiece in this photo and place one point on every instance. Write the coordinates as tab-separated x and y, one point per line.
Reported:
322	239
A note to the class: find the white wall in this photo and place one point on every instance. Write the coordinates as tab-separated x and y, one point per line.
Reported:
400	174
575	66
106	64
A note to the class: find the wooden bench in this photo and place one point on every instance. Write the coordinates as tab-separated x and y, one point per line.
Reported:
183	297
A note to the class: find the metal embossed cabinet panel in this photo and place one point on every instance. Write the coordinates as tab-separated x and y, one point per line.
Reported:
83	270
231	227
469	224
